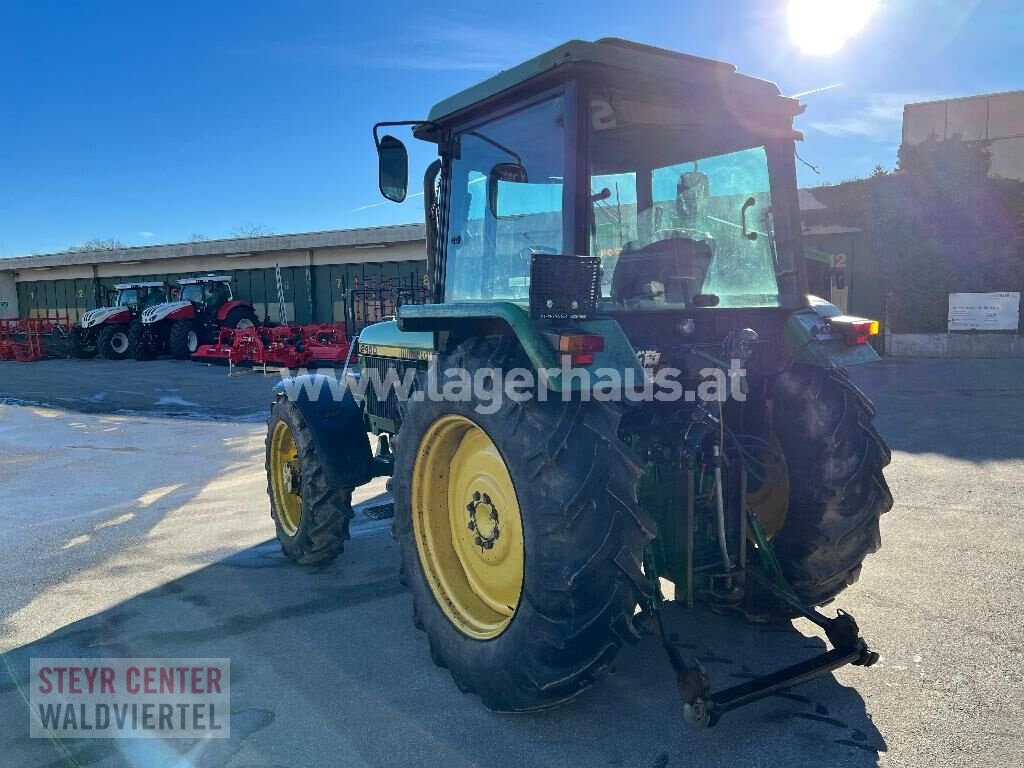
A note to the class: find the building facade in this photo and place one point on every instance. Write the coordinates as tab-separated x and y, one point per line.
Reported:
997	118
318	271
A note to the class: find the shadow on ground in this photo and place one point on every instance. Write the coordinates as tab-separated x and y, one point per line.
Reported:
327	669
921	402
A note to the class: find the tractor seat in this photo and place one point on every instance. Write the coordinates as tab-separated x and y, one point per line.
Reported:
671	270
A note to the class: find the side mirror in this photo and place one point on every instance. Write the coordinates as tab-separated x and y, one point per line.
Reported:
394	168
510	173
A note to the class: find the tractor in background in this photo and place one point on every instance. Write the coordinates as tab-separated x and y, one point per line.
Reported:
604	208
203	306
105	330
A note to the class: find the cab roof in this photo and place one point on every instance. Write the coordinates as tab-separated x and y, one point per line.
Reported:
125	286
204	279
615	53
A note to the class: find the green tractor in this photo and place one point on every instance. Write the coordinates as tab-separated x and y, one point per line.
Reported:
620	382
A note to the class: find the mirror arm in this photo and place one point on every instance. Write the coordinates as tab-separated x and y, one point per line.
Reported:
393	123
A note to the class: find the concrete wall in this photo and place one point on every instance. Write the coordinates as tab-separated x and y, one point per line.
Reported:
971	345
8	296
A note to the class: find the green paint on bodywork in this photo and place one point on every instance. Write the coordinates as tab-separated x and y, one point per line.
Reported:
807	340
386	335
618	353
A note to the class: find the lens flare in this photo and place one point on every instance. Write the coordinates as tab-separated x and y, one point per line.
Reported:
822	27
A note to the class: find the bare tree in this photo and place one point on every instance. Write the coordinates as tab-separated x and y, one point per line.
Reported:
98	245
251	230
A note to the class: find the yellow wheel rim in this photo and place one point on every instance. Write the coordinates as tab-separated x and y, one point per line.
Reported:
286	478
770	501
468	527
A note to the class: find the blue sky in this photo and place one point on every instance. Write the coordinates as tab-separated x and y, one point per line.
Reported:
147	122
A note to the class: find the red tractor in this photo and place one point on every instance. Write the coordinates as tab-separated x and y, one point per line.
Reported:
105	330
204	306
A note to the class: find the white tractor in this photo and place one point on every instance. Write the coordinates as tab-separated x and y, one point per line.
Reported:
105	330
204	305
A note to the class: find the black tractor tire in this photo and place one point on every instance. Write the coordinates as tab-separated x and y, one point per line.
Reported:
138	344
584	538
113	342
326	511
835	458
183	340
78	349
240	315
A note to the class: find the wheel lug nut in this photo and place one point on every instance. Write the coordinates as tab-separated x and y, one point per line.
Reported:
479	541
487	499
472	525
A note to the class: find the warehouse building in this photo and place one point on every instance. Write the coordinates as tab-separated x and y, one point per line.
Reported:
997	119
318	271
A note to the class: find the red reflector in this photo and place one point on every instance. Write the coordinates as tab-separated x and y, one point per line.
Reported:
578	347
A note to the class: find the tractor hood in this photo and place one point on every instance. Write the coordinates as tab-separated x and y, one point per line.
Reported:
102	315
171	309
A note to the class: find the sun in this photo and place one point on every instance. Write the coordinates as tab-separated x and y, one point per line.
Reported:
822	27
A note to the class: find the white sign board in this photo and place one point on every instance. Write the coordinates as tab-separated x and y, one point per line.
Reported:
984	311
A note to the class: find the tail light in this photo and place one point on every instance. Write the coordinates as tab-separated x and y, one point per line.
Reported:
855	330
580	348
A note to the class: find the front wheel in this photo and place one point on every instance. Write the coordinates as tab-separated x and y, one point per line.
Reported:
138	342
183	340
113	342
521	539
311	517
81	347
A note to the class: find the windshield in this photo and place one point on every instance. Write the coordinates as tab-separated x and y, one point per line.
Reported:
679	211
129	297
193	293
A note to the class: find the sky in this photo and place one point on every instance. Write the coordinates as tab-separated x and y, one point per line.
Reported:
151	122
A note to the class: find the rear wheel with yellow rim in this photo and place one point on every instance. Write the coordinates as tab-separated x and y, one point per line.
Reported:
521	538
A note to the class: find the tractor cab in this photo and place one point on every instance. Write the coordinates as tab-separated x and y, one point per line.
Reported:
675	173
206	293
139	296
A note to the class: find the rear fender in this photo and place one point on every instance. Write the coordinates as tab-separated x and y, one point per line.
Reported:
483	318
807	339
227	306
339	433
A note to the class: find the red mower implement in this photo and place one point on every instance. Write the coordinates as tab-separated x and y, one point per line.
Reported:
284	346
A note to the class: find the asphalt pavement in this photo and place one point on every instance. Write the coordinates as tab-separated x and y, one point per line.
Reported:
126	534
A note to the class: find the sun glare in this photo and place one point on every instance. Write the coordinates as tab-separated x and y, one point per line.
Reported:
822	27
